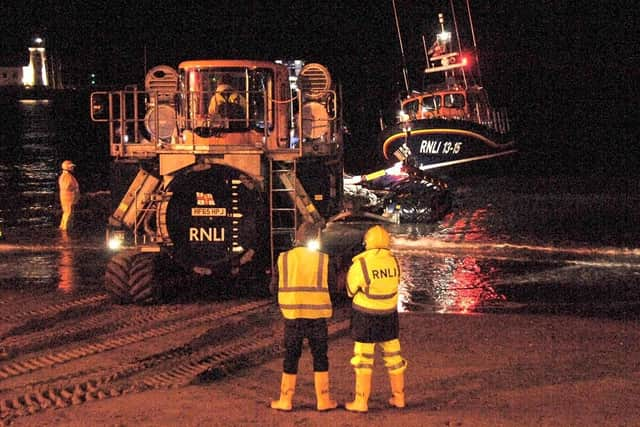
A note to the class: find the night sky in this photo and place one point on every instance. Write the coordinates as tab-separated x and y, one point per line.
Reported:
568	71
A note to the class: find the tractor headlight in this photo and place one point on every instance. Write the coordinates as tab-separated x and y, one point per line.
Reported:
115	240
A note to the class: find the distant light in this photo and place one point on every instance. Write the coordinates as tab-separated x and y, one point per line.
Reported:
464	60
38	40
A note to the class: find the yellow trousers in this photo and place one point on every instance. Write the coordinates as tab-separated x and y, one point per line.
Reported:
68	203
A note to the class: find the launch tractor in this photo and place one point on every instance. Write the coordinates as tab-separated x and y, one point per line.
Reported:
215	165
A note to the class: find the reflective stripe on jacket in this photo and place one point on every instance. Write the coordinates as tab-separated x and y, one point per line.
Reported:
373	281
303	290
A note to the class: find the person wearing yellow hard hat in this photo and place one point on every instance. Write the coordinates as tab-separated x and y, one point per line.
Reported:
69	193
305	303
372	283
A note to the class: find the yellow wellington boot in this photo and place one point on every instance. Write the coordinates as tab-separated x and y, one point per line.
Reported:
287	388
323	397
397	390
363	390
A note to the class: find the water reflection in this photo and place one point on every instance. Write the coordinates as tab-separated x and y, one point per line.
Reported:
446	283
38	119
65	264
26	271
66	271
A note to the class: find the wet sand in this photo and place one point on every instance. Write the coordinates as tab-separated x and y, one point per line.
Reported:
464	370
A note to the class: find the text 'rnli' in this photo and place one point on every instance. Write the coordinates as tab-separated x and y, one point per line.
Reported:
210	234
384	273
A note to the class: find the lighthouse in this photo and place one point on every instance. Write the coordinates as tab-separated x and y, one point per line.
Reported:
35	74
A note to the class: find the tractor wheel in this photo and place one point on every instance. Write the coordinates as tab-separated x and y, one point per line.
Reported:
131	278
116	278
143	285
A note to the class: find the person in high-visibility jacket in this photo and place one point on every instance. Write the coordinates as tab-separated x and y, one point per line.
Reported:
372	282
69	193
305	303
226	100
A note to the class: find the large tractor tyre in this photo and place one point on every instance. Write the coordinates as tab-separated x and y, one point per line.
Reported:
131	278
144	287
116	278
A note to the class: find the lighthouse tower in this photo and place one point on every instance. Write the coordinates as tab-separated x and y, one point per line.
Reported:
35	74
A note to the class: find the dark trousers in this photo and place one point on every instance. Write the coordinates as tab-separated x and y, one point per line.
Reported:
315	331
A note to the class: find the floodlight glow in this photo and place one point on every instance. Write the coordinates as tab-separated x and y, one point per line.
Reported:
114	243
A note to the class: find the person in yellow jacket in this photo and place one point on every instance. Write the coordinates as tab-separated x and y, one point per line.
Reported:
227	102
305	303
69	193
372	283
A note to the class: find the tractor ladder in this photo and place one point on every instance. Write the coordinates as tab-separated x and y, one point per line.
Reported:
287	199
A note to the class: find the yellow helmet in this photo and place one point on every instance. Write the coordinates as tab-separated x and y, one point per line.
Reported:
68	165
377	238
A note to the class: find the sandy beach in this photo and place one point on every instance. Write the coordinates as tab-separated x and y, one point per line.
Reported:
464	370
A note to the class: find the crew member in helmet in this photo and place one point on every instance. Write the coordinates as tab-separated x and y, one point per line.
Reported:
372	282
305	303
69	193
227	102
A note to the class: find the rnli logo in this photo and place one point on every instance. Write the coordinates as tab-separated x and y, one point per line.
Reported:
206	234
384	273
205	199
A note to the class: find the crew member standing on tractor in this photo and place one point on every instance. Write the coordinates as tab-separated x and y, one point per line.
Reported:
69	193
227	101
305	303
372	282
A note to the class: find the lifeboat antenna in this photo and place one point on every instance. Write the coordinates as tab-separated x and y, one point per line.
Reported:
426	53
455	25
404	61
475	46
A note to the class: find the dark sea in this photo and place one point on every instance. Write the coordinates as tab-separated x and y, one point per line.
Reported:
534	237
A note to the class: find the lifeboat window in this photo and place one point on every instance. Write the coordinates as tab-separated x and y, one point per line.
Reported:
431	103
411	108
454	100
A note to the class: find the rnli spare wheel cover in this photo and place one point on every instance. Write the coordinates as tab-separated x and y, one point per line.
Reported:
211	216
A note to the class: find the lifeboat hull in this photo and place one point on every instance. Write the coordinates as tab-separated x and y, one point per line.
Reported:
439	144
